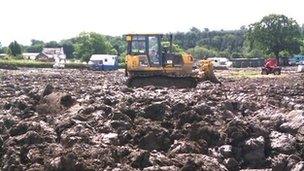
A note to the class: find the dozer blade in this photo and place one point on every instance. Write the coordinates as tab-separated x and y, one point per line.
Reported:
211	77
207	72
162	81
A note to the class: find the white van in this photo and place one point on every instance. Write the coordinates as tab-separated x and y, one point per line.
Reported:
219	62
301	67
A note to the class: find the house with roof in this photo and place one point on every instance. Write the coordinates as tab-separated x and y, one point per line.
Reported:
3	55
31	56
52	54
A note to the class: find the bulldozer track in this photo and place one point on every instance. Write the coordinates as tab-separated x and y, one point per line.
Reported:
162	81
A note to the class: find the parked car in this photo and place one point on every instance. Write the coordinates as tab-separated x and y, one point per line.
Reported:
221	63
296	60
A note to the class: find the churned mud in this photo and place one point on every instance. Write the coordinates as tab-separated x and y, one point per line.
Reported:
84	120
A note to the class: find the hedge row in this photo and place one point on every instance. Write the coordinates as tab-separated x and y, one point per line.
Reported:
76	66
13	64
23	63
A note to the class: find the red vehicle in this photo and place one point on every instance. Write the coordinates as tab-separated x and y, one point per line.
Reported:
271	67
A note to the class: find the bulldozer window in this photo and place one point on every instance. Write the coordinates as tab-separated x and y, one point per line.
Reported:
153	50
138	45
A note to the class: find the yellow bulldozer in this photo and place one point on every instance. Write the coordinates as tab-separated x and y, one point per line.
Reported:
151	60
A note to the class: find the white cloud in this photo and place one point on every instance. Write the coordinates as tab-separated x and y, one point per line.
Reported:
58	19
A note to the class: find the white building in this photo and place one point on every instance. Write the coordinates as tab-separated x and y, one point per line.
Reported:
2	55
52	54
31	56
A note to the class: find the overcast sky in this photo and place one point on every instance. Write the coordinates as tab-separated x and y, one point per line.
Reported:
46	20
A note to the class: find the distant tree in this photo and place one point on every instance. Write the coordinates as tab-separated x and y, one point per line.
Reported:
236	55
14	48
275	33
202	52
249	52
1	48
87	44
243	28
302	48
122	58
37	42
175	47
193	37
68	48
118	44
224	53
284	53
5	50
255	53
231	41
36	46
52	44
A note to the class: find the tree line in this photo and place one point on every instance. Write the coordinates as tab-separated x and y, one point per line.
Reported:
80	47
274	35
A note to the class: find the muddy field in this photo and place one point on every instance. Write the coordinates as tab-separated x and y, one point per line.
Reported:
83	120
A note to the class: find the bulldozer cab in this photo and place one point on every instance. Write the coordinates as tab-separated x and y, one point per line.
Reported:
151	49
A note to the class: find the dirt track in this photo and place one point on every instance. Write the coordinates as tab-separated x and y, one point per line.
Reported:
83	120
